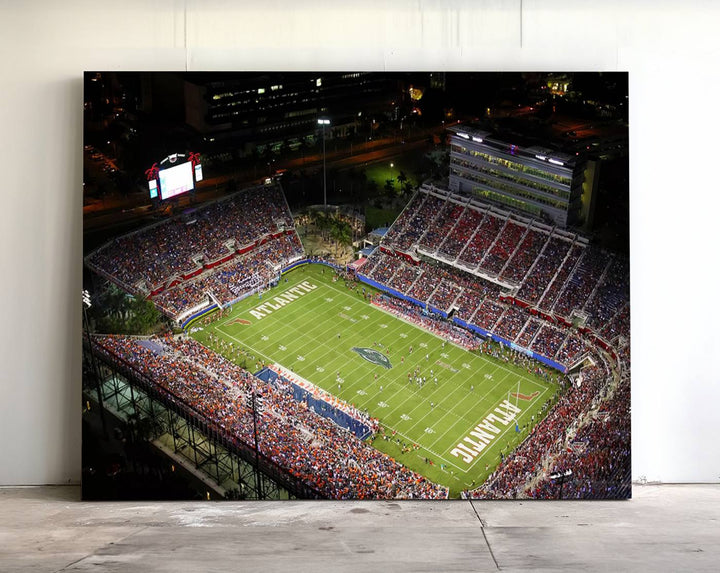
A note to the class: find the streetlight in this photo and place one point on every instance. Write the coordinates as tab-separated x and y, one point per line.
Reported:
324	122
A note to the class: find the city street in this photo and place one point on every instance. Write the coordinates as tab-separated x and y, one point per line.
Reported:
118	211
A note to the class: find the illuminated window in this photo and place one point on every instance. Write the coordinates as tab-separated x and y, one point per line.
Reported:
318	82
261	90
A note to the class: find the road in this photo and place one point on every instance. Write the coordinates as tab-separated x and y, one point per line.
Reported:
114	212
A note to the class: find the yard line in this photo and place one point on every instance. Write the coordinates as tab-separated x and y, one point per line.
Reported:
371	324
319	341
300	330
485	398
502	434
424	448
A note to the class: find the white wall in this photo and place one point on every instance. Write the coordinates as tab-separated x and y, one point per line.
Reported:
669	48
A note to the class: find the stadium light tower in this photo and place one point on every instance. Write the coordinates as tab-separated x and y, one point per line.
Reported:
324	122
87	303
258	478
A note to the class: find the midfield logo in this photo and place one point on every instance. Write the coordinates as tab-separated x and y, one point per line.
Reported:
372	355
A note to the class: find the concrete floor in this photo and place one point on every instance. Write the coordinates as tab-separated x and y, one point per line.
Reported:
663	528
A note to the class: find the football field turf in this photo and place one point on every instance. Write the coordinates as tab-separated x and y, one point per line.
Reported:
452	431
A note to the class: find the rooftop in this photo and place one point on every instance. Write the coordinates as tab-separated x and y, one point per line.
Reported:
517	144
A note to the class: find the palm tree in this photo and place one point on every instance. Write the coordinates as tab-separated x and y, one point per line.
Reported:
341	233
345	237
322	223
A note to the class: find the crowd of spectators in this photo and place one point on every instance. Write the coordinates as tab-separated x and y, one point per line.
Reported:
444	295
529	331
511	322
468	302
182	296
428	321
524	256
552	292
612	292
231	280
503	247
180	245
408	214
472	284
488	314
425	284
441	286
465	228
552	270
368	267
307	446
572	349
619	325
476	301
408	229
545	267
405	276
582	282
441	227
544	439
599	456
385	268
476	248
548	341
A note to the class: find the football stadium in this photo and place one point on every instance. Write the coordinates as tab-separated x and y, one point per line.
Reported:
475	352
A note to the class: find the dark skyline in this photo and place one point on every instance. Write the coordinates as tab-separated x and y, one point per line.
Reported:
137	118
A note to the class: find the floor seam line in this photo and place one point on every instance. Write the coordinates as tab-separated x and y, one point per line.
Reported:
94	552
482	528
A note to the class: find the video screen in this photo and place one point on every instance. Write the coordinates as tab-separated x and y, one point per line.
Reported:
176	180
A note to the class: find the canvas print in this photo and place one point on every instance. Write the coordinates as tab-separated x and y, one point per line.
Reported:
356	285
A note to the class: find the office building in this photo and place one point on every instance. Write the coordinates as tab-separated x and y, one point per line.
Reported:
522	174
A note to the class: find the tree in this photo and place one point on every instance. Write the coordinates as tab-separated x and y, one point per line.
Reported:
341	233
119	312
144	316
322	222
402	178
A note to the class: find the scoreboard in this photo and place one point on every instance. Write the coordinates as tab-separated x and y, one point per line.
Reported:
175	175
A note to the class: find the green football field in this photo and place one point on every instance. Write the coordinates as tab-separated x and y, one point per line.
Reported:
452	431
